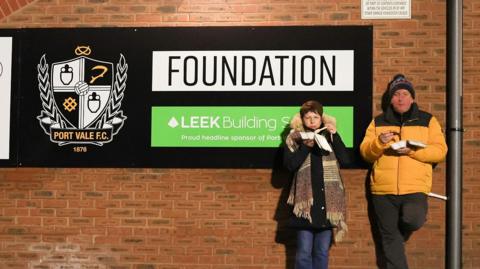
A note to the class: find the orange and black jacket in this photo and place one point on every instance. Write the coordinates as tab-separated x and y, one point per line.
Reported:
403	174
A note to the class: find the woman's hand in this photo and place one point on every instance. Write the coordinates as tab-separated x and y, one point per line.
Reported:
296	136
331	128
309	143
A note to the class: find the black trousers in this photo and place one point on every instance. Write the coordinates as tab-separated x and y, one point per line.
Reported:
397	216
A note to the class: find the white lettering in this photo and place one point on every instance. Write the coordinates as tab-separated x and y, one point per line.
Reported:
199	122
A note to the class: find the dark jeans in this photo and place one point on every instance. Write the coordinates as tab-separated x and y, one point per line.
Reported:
312	249
397	216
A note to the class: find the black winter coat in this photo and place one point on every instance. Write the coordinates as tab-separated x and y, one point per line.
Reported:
293	161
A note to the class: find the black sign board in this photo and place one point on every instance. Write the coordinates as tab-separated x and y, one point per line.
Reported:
98	97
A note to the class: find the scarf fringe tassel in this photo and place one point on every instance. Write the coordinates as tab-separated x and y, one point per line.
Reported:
302	209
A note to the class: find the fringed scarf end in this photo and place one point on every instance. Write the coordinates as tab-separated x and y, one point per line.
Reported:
335	217
341	231
290	200
302	209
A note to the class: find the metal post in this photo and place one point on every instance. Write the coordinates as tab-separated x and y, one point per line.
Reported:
455	134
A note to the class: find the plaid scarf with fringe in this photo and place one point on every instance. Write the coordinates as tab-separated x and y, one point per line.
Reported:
301	193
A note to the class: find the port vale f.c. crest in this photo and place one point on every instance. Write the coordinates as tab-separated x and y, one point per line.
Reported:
82	98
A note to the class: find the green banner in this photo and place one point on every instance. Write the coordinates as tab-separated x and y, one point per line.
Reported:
233	126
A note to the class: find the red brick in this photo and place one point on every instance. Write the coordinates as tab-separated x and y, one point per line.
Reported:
172	210
94	212
37	221
54	204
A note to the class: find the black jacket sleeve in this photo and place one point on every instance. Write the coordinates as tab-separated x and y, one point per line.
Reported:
293	160
340	150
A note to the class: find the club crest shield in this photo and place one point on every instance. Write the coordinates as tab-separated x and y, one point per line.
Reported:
81	89
81	99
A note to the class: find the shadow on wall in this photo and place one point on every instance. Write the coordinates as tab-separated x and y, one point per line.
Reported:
385	99
281	179
380	257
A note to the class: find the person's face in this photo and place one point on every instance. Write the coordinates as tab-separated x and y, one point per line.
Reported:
402	100
312	120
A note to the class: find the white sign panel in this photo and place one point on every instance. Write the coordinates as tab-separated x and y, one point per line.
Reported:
386	9
5	91
278	70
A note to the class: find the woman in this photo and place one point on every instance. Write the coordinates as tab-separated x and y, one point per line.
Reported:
317	192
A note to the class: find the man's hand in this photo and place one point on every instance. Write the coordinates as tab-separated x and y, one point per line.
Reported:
387	136
404	151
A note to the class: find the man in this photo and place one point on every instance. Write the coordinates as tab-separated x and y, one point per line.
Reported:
401	178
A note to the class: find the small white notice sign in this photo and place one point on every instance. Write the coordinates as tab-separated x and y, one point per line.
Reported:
386	9
5	89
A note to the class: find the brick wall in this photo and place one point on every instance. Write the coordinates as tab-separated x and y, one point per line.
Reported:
228	218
